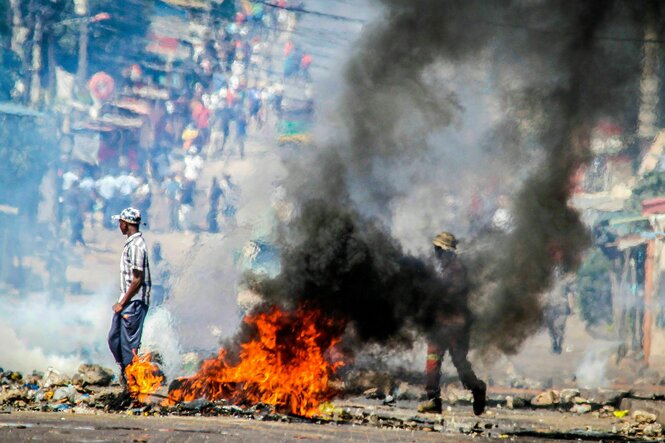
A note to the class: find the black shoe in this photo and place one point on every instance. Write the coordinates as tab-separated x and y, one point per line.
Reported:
432	405
479	398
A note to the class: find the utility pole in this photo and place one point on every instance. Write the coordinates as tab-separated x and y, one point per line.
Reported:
81	9
647	130
35	82
650	82
19	32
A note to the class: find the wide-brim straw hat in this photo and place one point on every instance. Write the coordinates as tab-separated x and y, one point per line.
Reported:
445	241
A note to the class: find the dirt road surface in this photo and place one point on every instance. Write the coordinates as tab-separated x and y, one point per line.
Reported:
50	427
455	424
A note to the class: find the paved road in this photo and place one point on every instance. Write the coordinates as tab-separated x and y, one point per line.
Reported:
54	427
458	424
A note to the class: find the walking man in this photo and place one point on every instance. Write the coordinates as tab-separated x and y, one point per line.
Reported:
132	306
453	333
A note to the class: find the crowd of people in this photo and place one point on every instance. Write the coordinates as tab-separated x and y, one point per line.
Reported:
231	85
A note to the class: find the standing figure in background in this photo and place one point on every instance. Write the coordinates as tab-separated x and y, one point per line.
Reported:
231	194
254	97
305	63
454	331
241	132
226	126
73	207
186	205
172	187
557	304
193	164
213	199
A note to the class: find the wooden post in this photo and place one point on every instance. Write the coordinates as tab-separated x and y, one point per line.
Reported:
18	30
647	321
649	84
81	9
50	55
35	83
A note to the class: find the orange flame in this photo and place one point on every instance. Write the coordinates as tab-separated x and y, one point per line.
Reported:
284	366
143	377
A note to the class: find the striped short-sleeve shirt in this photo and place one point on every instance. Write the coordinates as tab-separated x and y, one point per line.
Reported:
135	256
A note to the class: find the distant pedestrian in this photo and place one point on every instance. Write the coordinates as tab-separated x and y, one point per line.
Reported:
186	205
213	199
226	125
254	96
305	63
172	188
241	132
193	164
73	209
557	301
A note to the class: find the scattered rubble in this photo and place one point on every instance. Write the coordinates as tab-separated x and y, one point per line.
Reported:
644	417
407	391
581	408
568	395
515	402
90	392
547	398
95	375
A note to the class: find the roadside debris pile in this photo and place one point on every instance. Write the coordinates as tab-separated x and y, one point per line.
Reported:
286	361
642	424
382	385
512	412
53	391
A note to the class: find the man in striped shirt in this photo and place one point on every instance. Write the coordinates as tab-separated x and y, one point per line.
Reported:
129	312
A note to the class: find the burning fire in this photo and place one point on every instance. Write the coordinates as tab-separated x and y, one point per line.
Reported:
143	377
286	365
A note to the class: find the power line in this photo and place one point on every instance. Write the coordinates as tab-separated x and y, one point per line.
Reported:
555	32
307	11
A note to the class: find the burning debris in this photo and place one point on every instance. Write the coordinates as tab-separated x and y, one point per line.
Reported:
143	377
286	362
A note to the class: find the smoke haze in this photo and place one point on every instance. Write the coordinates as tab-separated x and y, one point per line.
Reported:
440	100
549	73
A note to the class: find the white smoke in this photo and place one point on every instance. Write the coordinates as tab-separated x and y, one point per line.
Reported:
159	336
203	299
37	334
592	371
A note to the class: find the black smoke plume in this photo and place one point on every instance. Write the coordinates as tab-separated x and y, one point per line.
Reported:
558	66
347	266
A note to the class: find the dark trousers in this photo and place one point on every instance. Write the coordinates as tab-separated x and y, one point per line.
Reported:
125	334
457	343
